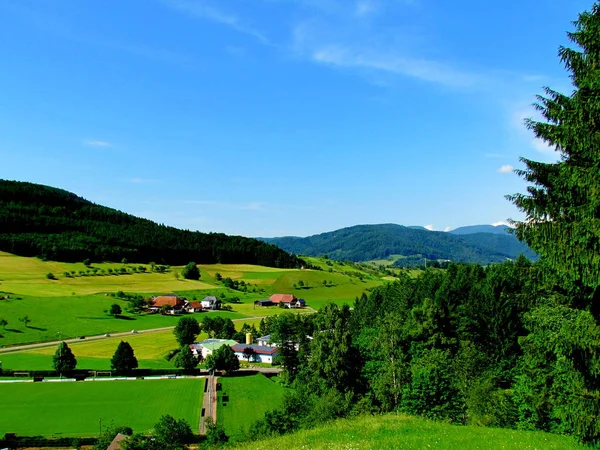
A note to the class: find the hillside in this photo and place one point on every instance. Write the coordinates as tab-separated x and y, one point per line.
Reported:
376	242
471	229
54	224
406	432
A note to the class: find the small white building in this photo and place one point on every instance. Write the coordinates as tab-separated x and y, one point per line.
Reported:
265	341
211	302
262	354
208	346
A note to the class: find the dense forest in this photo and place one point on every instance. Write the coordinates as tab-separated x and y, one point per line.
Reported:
372	242
512	345
50	223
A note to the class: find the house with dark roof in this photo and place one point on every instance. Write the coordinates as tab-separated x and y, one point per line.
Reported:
261	353
263	303
211	302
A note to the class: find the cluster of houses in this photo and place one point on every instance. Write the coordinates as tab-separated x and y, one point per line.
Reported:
174	305
283	300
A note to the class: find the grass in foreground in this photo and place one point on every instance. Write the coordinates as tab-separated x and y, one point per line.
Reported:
76	408
407	433
249	398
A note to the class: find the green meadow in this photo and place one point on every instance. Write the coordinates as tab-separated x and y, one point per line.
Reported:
401	432
73	306
249	398
76	408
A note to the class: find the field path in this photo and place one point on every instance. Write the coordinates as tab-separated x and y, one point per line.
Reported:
17	348
209	403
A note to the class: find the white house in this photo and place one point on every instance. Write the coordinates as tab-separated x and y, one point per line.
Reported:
208	346
261	353
265	341
211	302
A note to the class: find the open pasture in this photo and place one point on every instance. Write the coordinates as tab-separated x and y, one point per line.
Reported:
249	398
76	408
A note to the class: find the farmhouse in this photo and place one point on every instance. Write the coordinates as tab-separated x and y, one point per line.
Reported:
265	341
288	300
261	353
172	301
211	302
193	307
208	346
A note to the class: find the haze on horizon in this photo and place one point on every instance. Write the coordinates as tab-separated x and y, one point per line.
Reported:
280	117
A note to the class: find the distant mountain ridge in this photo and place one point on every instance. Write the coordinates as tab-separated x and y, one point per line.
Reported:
472	229
376	242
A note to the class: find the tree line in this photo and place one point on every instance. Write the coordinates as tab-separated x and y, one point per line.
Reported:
54	224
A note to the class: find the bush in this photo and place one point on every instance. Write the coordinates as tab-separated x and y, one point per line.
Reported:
50	276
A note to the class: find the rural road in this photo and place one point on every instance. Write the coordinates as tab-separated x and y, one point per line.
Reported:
18	348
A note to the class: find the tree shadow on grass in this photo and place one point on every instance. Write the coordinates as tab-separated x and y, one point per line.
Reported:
125	318
13	330
38	328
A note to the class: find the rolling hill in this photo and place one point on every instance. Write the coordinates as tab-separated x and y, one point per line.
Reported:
50	223
376	242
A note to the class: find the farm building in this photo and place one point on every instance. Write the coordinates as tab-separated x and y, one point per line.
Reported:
211	302
263	303
261	353
265	341
208	346
172	301
193	307
288	300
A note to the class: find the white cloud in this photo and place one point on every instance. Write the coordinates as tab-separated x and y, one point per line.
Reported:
93	143
507	168
203	9
495	224
541	146
375	59
429	227
447	229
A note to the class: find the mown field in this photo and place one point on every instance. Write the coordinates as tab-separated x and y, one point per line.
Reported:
69	307
249	398
76	408
401	432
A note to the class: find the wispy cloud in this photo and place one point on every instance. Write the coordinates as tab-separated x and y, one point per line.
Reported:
203	9
495	224
507	168
429	227
447	229
95	143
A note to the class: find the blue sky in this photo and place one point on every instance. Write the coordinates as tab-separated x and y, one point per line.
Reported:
280	117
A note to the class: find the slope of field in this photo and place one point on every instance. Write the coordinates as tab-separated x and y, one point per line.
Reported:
76	305
374	242
249	398
76	409
43	221
410	433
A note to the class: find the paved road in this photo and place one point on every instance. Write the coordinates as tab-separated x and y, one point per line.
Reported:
209	403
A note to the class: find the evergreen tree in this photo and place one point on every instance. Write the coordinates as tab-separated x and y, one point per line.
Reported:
562	205
124	359
63	359
560	386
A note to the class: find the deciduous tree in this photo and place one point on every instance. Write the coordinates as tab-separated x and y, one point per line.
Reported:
186	330
190	271
123	359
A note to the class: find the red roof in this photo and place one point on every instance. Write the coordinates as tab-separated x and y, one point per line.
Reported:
259	349
282	298
196	305
168	300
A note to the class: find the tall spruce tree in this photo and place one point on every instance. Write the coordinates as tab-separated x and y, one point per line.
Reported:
562	206
559	388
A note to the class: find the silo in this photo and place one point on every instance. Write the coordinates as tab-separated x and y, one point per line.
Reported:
248	338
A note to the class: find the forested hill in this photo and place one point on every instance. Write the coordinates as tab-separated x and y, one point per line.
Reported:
373	242
51	223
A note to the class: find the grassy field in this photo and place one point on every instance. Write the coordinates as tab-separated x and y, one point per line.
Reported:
75	409
249	398
411	433
69	307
